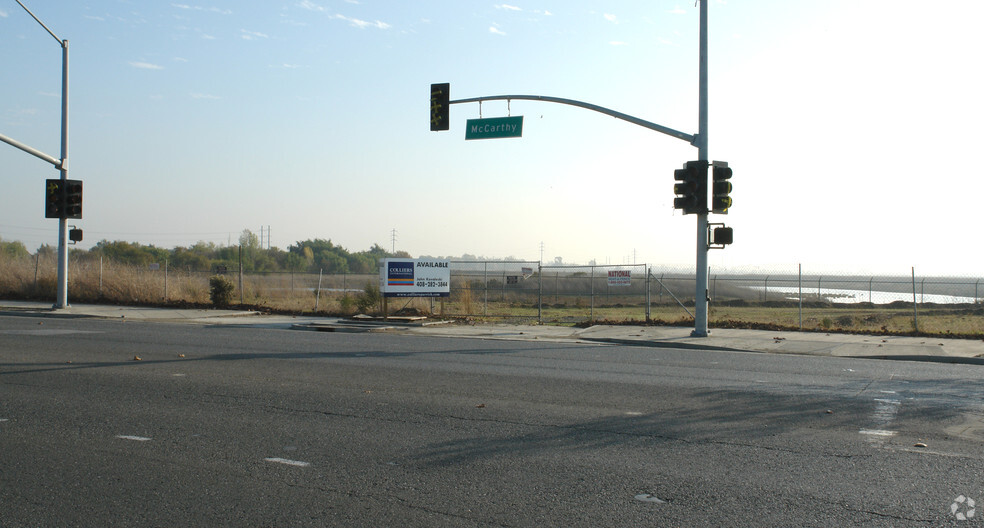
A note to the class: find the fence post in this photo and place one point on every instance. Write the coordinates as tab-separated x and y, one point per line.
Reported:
915	311
241	294
165	280
317	293
766	297
869	288
819	279
539	301
649	298
486	289
592	294
801	295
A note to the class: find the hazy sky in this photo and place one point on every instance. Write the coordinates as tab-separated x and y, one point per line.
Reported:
853	127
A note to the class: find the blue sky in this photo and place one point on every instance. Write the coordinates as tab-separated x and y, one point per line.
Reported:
852	127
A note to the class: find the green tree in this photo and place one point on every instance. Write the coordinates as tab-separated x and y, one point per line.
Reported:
13	250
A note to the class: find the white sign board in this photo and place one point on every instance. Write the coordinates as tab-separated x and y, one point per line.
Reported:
619	277
415	278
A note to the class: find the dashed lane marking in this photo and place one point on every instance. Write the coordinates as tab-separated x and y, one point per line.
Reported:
288	462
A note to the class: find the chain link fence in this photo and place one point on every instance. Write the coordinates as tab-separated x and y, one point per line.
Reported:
527	290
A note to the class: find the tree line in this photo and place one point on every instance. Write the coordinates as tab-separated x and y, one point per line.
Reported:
308	256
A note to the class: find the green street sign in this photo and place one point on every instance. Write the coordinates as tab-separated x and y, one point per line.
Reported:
494	128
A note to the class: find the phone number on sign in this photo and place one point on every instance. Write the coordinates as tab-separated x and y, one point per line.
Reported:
432	284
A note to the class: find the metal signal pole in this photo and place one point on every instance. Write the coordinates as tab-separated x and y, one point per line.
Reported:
700	298
62	166
440	101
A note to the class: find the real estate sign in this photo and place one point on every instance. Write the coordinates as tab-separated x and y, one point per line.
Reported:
415	278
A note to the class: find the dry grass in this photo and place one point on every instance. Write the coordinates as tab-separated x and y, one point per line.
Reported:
90	282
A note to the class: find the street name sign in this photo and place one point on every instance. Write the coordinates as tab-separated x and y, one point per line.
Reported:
494	128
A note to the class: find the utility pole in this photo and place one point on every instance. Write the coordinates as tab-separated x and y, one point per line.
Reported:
393	241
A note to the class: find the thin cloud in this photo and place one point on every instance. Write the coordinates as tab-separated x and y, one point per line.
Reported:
496	31
251	35
3	14
200	8
618	43
677	11
611	18
311	6
209	97
146	65
508	7
355	22
362	24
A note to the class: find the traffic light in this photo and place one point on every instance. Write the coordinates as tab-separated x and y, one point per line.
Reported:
73	198
691	187
440	103
721	199
54	199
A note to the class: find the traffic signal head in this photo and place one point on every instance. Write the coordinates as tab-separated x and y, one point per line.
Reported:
54	199
440	106
691	187
721	190
73	198
723	236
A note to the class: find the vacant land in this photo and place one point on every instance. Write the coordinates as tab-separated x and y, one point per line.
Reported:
356	293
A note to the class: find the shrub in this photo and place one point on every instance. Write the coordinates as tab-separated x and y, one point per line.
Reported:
347	304
369	299
220	291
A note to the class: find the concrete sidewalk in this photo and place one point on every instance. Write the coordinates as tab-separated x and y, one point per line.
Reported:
810	343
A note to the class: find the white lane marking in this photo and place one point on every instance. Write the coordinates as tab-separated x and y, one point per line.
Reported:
52	332
877	432
882	419
645	497
286	461
134	438
633	413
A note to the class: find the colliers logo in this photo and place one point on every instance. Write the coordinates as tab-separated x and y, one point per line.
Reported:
399	274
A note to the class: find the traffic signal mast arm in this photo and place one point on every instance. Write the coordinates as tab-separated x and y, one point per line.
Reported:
33	151
689	138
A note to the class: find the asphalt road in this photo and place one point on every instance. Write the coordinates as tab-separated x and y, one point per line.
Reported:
270	427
